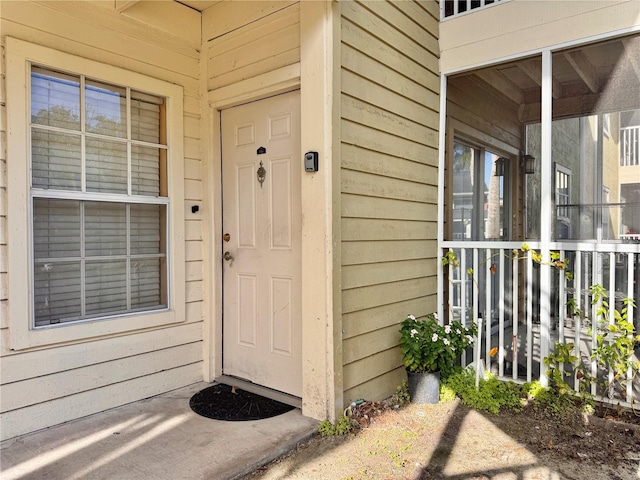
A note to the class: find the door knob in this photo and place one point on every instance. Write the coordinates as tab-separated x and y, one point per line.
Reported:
228	257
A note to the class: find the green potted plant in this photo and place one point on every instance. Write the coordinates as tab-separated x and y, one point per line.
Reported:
430	350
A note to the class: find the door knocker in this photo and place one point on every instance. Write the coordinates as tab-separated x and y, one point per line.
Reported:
262	173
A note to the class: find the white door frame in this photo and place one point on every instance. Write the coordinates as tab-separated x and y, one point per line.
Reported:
317	76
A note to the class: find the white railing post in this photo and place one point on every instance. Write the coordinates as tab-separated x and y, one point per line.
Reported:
596	278
463	286
501	351
612	297
515	321
530	317
487	309
474	308
630	312
477	353
562	299
577	295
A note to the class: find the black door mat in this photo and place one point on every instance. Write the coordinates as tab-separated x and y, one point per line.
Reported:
222	402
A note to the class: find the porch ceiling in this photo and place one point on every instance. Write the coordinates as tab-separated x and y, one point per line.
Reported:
199	5
586	80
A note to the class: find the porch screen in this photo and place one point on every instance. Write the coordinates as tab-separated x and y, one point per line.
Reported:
98	197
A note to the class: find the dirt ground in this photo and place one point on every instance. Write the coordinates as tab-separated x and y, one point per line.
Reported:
449	441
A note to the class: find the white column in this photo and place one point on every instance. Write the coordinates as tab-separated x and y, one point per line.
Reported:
441	180
546	217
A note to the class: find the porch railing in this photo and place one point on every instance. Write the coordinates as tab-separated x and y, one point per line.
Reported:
522	305
452	8
630	146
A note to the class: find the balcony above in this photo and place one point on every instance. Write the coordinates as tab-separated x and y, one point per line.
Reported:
477	33
452	8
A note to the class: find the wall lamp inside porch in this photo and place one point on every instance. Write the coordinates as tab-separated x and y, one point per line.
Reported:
528	163
501	164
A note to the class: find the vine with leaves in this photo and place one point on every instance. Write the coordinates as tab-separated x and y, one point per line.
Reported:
616	337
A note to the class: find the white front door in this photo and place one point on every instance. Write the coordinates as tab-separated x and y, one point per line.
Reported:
261	168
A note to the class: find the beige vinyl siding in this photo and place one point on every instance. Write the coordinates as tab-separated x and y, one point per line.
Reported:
251	41
49	385
389	157
468	102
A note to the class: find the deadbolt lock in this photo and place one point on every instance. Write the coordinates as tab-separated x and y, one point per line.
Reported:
226	237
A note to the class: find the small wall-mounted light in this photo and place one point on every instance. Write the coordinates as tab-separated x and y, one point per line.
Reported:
500	166
528	164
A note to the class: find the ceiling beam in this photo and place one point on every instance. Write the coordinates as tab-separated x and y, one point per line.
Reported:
498	81
533	70
584	69
570	107
632	53
122	5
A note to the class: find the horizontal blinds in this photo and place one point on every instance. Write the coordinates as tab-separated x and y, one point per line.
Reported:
145	226
56	229
57	293
96	258
122	267
56	160
145	117
106	287
146	283
106	164
145	170
105	229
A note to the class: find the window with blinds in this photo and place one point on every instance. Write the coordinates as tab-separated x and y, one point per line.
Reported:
99	199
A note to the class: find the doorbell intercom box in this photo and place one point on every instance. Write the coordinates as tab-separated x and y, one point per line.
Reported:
311	162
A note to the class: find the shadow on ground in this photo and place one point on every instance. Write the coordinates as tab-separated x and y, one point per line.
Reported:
449	441
154	439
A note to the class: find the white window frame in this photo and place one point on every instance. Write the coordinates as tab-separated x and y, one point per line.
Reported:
606	125
19	56
475	139
561	197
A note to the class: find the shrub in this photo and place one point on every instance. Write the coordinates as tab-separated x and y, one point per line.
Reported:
492	395
428	346
342	427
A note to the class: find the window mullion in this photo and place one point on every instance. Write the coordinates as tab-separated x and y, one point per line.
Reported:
83	151
83	301
128	115
128	209
128	263
83	188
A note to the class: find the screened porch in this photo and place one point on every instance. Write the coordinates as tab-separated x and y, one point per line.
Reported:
540	202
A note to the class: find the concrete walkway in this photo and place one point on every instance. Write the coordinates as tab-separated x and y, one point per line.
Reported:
154	439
